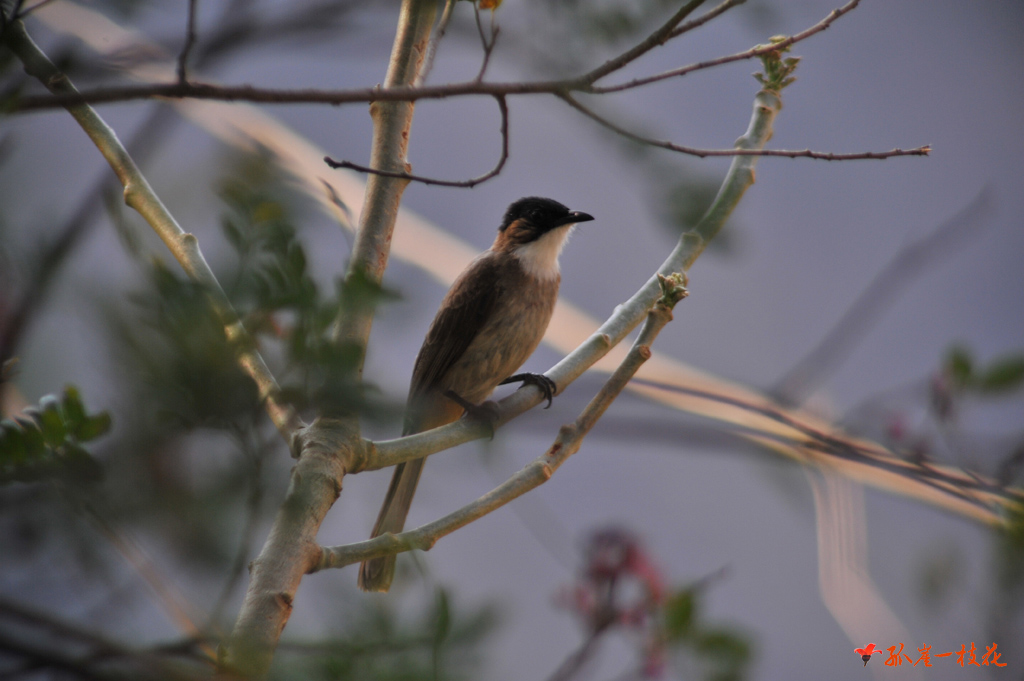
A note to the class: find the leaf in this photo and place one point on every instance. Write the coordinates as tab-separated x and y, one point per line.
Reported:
680	612
1002	375
51	421
93	427
74	410
13	448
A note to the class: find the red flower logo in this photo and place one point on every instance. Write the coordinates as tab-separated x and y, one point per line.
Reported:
866	652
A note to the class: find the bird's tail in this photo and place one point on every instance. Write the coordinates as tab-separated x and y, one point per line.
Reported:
376	574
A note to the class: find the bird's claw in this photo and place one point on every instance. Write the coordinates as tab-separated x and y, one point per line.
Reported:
547	387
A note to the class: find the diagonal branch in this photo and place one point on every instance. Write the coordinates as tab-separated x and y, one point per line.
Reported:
739	56
472	182
705	18
660	36
140	196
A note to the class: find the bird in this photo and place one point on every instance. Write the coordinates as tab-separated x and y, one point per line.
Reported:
490	321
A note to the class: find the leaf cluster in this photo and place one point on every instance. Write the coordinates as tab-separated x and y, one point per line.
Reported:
778	72
280	300
46	441
1000	376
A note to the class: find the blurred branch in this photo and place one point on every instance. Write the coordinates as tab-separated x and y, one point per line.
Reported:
42	641
472	182
570	438
908	263
140	196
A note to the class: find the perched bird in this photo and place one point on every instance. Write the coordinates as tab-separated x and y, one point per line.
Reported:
491	320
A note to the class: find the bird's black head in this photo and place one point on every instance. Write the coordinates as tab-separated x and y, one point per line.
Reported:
534	217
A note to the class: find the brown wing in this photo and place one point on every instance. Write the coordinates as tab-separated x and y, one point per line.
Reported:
467	306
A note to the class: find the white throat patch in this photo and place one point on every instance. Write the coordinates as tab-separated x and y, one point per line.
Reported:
540	258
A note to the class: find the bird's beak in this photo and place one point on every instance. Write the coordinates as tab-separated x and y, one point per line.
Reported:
575	217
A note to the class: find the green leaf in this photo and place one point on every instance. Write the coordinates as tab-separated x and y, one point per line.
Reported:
13	448
51	421
35	446
1002	375
74	410
93	427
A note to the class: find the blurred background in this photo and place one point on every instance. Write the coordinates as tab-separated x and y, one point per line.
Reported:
181	491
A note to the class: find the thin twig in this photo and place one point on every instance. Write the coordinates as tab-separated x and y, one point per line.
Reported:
702	153
472	182
439	33
488	45
190	39
659	37
705	18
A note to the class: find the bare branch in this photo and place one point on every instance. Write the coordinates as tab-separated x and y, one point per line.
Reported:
488	45
249	93
705	18
739	56
502	106
190	39
659	37
693	151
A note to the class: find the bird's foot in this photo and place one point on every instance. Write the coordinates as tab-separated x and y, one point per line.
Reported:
486	413
546	386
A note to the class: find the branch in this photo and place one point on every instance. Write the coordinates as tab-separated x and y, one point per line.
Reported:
488	45
702	153
406	93
705	18
739	56
570	438
141	197
659	37
409	177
